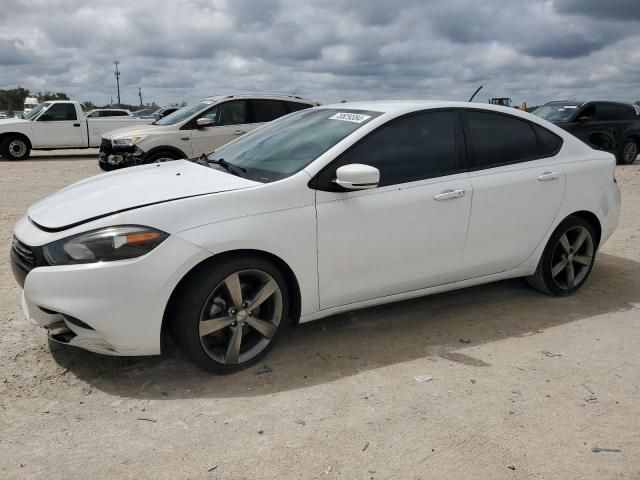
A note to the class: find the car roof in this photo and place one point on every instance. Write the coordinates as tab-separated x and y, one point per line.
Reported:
268	96
398	107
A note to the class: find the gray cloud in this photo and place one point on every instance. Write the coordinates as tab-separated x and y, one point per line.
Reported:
328	50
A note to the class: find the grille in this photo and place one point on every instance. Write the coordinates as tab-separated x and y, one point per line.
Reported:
23	252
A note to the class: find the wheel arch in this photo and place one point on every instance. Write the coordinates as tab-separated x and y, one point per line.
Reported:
592	219
292	282
165	148
6	135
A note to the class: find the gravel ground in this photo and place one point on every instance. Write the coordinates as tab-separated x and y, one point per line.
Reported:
342	401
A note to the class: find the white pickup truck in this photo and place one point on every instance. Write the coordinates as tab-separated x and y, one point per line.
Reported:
55	125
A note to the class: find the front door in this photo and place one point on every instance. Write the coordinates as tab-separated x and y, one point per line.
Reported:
230	121
59	127
408	233
516	193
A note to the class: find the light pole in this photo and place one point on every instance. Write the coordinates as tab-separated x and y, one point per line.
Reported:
116	62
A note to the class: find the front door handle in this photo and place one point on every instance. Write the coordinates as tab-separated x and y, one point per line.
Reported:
546	176
76	124
186	139
448	194
239	132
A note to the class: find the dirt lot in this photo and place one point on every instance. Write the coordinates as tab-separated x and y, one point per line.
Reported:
342	401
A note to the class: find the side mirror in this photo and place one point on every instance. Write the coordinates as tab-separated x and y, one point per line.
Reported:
204	122
357	176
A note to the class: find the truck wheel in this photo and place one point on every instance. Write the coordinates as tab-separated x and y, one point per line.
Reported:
15	148
629	151
161	157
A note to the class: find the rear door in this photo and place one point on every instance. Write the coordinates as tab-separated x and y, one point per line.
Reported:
230	120
409	232
58	127
518	185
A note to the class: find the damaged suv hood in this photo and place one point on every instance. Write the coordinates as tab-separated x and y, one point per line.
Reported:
130	188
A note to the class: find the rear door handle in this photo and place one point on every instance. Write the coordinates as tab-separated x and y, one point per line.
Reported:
239	132
546	176
448	194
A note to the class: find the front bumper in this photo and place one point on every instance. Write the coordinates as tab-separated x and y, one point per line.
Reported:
119	155
113	308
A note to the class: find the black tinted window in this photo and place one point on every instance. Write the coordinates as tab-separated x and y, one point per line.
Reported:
231	113
548	143
405	150
267	110
609	112
116	114
60	111
295	106
498	139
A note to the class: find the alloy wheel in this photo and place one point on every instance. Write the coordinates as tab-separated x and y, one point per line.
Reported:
240	317
572	258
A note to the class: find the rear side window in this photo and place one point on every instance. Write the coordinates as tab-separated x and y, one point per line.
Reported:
409	149
295	106
116	114
494	139
267	110
610	112
548	143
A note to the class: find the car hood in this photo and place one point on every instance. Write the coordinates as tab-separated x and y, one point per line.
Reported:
143	129
134	187
12	121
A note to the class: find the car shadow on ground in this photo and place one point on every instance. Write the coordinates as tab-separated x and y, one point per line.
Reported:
91	154
346	344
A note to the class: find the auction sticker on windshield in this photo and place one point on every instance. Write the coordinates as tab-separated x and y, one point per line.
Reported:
350	117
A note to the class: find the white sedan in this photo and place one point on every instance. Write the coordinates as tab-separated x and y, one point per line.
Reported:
324	210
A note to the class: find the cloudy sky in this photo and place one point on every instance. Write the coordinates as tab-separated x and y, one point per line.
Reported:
329	50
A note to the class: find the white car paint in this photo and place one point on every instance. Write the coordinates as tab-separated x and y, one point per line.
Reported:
347	250
50	135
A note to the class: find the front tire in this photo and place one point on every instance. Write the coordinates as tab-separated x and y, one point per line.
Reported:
628	152
567	260
15	148
230	316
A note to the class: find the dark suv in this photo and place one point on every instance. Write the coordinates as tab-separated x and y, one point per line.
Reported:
610	126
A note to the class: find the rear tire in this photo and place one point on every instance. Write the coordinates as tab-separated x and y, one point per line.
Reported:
15	148
567	260
628	152
229	317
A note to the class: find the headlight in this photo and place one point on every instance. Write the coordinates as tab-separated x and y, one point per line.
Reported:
104	245
127	141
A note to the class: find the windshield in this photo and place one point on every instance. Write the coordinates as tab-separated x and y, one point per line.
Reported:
183	114
36	111
287	145
556	112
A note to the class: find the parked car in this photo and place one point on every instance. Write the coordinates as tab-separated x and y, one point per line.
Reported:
108	112
325	210
609	126
160	113
145	112
56	125
195	129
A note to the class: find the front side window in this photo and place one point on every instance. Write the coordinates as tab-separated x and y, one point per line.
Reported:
227	113
288	144
183	113
408	149
494	139
59	112
267	110
557	112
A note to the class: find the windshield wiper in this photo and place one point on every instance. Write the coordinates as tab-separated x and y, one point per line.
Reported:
229	167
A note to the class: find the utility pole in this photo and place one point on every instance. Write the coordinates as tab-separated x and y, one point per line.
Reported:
140	95
116	62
